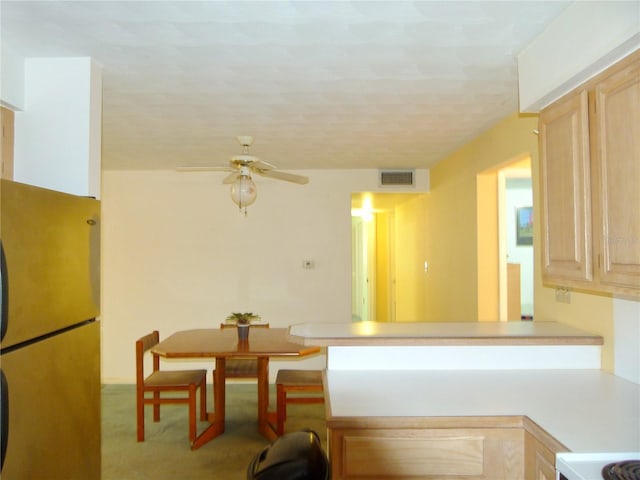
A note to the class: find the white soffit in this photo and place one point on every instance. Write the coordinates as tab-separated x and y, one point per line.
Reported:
320	85
601	33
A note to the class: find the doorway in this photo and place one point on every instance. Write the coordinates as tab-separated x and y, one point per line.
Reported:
505	243
391	238
516	243
380	271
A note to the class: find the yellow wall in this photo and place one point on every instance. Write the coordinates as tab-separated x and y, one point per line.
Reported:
488	275
459	228
593	313
452	290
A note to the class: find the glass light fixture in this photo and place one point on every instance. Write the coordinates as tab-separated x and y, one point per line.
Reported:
243	192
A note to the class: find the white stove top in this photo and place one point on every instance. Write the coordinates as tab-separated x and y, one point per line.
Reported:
588	466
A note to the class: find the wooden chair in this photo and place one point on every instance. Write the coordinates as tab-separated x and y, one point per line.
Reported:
160	382
296	381
242	367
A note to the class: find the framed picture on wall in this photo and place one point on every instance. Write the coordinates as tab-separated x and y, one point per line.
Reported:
524	226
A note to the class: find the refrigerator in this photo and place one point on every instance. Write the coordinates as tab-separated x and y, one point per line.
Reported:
50	334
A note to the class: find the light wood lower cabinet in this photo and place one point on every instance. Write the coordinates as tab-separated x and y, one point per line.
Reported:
540	450
457	453
452	448
539	459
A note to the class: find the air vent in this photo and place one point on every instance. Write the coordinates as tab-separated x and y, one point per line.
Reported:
390	178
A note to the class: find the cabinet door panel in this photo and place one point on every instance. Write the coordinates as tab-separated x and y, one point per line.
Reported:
539	460
427	454
566	190
616	177
413	457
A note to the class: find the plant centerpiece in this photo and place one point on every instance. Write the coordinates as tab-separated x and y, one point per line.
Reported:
242	321
242	318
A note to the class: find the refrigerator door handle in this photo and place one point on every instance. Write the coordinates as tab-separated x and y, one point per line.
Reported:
4	293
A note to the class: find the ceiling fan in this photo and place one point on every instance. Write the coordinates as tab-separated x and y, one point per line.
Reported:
242	166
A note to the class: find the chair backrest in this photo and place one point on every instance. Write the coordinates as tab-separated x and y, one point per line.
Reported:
142	345
233	325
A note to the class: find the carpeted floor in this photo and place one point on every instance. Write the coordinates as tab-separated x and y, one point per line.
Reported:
166	455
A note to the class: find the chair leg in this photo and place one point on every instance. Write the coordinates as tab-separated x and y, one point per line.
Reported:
281	406
140	415
203	401
156	406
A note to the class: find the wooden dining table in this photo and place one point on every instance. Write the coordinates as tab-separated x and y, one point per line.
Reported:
263	343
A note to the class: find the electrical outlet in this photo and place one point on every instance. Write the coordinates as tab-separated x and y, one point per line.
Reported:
563	295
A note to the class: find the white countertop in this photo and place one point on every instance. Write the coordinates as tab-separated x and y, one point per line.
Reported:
442	333
586	410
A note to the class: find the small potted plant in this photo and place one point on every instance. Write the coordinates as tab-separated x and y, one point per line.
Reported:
242	321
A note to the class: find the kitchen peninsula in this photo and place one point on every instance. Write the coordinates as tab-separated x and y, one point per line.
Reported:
478	400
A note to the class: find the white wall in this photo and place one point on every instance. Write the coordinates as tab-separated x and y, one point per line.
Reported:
11	78
177	254
58	134
626	315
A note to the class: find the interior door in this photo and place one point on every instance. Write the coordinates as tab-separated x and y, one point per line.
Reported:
358	270
363	269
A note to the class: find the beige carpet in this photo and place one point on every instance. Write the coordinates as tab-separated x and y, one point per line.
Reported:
165	454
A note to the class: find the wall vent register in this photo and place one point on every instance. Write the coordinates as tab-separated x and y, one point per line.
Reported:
396	178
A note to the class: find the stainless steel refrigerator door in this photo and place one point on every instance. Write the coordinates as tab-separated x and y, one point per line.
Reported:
53	404
52	247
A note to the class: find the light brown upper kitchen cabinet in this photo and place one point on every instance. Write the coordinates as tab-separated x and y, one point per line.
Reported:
590	184
6	143
615	172
566	189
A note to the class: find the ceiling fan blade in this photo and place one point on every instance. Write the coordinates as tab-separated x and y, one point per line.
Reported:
232	177
287	177
204	169
262	165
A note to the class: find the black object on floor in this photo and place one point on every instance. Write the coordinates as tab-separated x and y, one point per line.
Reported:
293	456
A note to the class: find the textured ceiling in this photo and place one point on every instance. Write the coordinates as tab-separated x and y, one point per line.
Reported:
384	84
